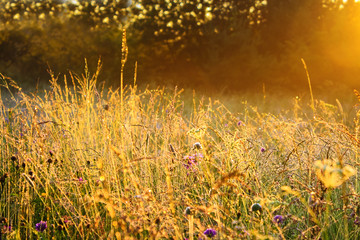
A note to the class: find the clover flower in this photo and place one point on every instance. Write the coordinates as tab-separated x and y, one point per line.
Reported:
41	226
210	232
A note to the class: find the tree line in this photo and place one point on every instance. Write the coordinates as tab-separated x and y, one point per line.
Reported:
235	44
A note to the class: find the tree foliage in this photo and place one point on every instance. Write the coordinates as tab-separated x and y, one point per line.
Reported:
241	42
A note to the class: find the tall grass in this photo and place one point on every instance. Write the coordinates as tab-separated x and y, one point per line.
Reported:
149	164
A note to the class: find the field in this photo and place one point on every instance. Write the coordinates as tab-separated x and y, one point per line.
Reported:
257	141
81	162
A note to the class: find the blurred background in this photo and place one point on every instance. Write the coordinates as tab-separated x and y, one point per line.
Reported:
210	45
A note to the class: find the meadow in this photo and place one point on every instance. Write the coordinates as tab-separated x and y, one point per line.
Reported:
82	162
91	156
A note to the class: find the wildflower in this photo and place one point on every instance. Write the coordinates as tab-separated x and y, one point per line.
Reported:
64	220
331	173
197	145
81	179
239	123
187	211
41	226
357	221
6	229
192	160
210	232
262	149
256	207
190	164
278	219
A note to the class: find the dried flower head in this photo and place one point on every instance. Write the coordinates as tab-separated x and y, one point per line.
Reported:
187	211
197	145
256	207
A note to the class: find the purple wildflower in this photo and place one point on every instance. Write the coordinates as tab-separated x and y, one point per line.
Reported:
239	123
357	221
6	229
192	160
41	226
190	164
278	219
262	149
210	232
81	179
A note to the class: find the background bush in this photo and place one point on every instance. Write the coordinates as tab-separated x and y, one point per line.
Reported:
203	44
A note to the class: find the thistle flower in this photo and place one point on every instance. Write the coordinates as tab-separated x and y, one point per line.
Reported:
278	219
210	232
41	226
